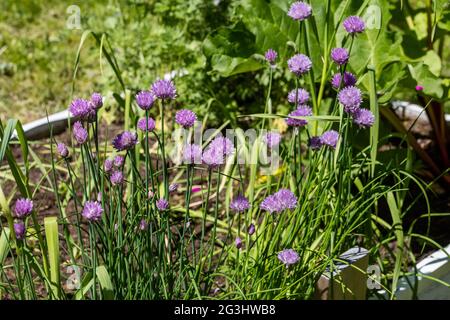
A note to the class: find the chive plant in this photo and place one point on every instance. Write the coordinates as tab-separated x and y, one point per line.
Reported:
241	234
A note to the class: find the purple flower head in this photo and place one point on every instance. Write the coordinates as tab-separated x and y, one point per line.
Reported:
222	144
299	11
62	150
419	88
162	204
118	161
145	99
173	187
301	95
302	111
164	89
354	24
340	56
288	257
116	178
185	118
125	141
146	125
96	101
92	211
19	230
239	204
192	153
143	225
279	201
272	139
80	108
238	243
350	98
315	143
330	138
23	208
79	133
213	157
363	118
251	229
107	166
271	56
349	80
299	64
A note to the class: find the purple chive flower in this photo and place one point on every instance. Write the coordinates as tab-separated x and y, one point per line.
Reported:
349	80
118	161
239	204
329	138
143	225
164	89
299	64
196	189
62	150
271	56
108	165
301	95
288	257
116	178
299	11
224	145
272	139
315	143
80	108
350	98
92	211
302	111
173	187
354	24
146	125
238	243
96	101
364	118
419	88
212	157
79	133
19	230
162	204
185	118
23	208
145	99
251	229
279	201
340	56
125	141
192	153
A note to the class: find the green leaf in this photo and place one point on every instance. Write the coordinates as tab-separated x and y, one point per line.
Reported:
227	66
231	50
105	283
4	244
